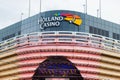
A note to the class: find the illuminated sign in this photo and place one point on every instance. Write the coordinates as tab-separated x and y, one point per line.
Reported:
75	19
50	21
55	20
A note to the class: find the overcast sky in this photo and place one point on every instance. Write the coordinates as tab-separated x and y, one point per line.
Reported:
10	10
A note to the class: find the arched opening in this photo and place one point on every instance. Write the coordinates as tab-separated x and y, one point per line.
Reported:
57	68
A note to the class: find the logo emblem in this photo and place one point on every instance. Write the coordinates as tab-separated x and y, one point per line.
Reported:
71	18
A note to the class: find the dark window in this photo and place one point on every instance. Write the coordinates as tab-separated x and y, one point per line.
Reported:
19	32
98	31
107	33
95	30
91	29
116	36
102	32
8	36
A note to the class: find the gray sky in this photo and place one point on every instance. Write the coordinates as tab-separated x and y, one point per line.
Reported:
10	10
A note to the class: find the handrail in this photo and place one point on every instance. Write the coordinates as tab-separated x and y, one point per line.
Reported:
86	39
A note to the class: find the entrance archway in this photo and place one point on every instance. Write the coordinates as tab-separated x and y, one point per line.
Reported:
57	68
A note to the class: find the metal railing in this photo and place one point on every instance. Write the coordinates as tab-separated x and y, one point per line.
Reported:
81	38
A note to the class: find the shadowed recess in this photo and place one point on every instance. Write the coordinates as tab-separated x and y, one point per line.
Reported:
57	67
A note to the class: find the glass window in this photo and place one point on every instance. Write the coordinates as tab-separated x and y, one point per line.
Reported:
98	31
116	36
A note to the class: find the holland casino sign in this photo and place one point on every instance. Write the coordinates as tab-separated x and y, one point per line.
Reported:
55	21
50	21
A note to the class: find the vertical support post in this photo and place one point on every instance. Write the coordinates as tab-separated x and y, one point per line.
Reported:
86	6
29	8
100	8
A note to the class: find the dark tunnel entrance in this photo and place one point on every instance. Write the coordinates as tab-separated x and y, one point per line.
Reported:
57	68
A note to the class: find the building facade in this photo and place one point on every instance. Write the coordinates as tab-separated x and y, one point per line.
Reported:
60	45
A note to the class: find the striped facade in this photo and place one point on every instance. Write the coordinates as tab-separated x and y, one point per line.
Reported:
95	56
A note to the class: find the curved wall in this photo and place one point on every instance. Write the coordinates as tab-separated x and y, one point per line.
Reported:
32	24
96	57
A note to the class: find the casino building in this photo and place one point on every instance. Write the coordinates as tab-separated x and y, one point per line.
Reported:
60	45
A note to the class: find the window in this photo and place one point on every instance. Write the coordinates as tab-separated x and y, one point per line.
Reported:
19	32
8	36
116	36
98	31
